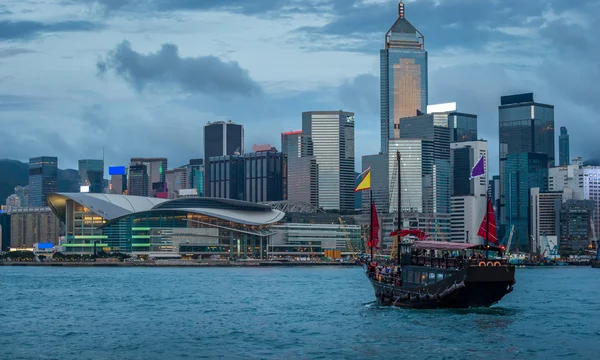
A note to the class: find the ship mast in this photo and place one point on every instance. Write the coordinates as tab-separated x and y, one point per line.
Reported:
399	252
371	222
487	227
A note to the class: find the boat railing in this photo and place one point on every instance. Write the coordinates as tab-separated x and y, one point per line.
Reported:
454	263
438	262
386	278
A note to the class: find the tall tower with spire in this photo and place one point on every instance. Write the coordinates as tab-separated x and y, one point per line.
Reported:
403	76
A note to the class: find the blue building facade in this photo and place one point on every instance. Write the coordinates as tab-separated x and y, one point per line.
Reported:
4	231
403	70
523	171
563	147
463	127
43	178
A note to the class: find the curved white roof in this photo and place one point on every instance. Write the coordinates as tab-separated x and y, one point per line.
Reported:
109	206
113	207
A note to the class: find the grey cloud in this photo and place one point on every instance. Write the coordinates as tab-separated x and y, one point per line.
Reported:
4	53
204	74
19	30
97	117
477	90
361	94
9	102
464	23
240	6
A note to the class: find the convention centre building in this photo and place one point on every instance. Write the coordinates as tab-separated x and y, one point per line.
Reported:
144	226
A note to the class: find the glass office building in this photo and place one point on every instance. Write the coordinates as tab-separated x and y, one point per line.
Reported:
138	180
523	171
463	127
527	126
43	177
403	76
303	170
563	147
331	134
91	173
380	182
265	176
226	174
221	139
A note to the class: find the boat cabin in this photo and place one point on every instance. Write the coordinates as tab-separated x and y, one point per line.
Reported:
448	255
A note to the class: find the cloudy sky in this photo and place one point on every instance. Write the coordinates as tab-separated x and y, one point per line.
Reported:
142	77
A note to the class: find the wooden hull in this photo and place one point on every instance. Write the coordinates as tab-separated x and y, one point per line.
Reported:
467	288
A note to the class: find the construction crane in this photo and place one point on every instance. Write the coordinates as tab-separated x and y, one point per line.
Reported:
312	253
349	245
510	236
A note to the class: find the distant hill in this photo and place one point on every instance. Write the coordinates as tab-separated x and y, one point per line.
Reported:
15	173
12	173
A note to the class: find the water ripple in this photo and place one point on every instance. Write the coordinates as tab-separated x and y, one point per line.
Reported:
282	313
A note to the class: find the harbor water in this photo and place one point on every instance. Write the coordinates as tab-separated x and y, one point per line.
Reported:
282	313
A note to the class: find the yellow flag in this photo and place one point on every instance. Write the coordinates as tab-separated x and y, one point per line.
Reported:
365	183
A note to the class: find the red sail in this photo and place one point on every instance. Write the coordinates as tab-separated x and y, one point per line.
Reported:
491	226
374	239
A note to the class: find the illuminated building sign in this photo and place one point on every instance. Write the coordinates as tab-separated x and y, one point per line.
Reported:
116	170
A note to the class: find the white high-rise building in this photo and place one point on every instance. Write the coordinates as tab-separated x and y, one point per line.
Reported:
570	176
331	135
591	191
468	196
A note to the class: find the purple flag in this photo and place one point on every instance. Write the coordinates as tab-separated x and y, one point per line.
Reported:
479	168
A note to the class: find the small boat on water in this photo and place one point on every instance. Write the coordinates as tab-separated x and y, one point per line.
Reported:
438	274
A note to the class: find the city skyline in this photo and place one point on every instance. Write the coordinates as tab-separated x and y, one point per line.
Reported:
87	111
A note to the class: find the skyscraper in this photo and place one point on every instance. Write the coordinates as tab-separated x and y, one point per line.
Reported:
435	129
197	176
416	170
91	173
138	180
221	139
265	176
226	177
380	182
563	147
176	179
331	134
525	126
303	170
43	176
118	179
463	127
155	171
522	172
468	202
403	67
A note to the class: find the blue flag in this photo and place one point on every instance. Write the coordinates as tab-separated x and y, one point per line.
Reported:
479	168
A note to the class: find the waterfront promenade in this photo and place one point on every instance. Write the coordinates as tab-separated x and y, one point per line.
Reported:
181	263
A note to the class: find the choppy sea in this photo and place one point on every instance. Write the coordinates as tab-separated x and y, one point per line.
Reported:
282	313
